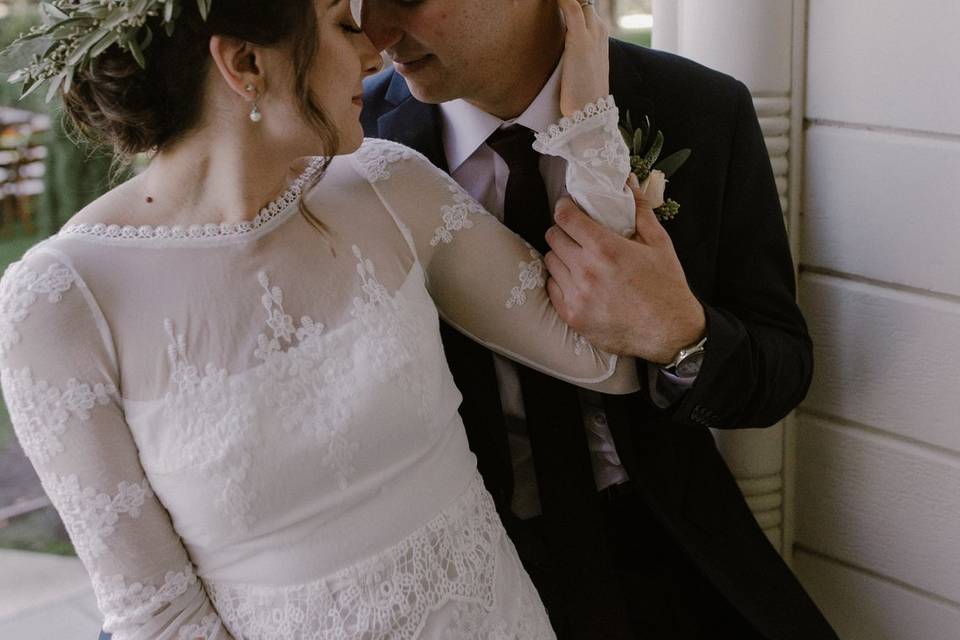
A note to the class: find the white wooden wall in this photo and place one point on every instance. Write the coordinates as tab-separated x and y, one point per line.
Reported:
877	539
761	43
871	462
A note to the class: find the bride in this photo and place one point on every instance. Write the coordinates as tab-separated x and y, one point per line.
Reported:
232	384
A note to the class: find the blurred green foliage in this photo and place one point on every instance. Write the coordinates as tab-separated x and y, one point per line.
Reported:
18	21
641	37
76	174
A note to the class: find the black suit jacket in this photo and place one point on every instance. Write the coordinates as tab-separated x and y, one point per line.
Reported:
731	240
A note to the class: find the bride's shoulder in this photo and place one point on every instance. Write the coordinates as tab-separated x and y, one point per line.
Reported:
376	158
114	207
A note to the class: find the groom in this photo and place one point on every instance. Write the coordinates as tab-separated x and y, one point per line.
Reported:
621	508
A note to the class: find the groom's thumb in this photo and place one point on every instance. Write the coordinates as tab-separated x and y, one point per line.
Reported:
648	227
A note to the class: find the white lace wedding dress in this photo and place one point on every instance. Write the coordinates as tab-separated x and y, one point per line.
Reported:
250	430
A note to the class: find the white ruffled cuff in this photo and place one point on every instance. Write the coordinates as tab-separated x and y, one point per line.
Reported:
598	163
567	126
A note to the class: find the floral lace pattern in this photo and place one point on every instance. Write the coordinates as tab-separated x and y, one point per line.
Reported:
392	333
20	289
599	161
472	621
375	156
455	217
90	516
42	413
612	152
310	391
580	344
209	625
531	277
386	597
212	413
136	603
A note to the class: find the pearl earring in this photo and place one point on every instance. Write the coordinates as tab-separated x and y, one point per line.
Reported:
255	114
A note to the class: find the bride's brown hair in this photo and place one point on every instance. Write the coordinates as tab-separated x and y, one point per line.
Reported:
134	109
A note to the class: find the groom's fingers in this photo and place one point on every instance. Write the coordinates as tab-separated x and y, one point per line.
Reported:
578	226
563	245
558	270
557	299
649	229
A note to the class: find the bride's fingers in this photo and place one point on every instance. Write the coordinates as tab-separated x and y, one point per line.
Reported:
586	61
595	24
590	17
573	15
583	23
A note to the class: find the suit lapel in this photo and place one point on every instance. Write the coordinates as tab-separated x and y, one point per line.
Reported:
626	85
412	123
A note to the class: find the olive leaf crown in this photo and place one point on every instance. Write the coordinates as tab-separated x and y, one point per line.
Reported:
74	33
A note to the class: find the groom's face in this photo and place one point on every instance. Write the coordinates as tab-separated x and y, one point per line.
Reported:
447	49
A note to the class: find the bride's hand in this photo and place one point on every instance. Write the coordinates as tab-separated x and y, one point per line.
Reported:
586	65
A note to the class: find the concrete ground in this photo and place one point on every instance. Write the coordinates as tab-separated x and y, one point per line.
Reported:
45	597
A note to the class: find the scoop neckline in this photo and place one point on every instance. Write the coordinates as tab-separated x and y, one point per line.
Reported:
204	231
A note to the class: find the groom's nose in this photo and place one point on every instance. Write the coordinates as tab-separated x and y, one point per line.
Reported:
382	23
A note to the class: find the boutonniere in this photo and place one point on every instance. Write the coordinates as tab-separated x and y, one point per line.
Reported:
645	160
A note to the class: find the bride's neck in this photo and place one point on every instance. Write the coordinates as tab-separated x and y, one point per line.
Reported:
210	176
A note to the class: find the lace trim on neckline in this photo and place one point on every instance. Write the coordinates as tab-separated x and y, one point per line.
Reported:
204	231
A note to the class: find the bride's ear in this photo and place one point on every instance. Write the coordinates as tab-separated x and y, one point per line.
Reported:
240	64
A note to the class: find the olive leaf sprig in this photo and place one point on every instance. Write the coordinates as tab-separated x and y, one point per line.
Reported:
642	162
75	32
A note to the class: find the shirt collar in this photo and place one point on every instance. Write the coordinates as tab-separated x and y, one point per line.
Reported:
466	127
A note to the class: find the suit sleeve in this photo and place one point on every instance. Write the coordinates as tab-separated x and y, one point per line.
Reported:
759	357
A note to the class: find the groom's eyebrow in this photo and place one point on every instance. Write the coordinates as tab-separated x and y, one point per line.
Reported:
333	4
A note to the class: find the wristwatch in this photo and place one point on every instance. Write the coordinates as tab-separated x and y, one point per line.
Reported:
687	363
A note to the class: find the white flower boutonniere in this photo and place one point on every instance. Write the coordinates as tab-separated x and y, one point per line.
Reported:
652	172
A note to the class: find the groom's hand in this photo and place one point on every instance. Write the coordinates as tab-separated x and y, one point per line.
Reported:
626	296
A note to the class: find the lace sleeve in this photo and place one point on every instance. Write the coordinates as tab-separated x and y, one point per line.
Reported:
486	281
60	382
598	163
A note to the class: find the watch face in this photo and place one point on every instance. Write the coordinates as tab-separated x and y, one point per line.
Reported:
689	367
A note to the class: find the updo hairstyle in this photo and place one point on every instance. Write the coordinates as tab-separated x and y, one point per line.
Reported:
132	109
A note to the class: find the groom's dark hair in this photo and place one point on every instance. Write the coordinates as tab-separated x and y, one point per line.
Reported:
135	109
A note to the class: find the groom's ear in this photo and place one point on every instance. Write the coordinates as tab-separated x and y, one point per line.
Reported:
240	64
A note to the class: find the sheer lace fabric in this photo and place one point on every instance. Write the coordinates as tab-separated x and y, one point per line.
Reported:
250	430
